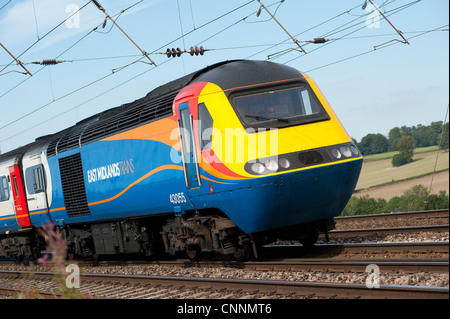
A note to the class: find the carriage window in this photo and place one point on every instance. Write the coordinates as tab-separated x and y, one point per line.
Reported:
278	107
4	189
205	125
35	179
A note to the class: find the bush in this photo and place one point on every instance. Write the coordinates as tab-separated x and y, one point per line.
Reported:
364	205
399	160
414	199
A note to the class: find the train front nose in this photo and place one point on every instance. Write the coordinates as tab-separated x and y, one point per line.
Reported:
315	194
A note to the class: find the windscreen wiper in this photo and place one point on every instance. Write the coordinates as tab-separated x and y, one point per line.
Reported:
268	118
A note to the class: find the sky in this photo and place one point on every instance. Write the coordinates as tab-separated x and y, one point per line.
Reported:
373	79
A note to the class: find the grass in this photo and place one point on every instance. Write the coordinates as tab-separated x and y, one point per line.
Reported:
378	170
390	155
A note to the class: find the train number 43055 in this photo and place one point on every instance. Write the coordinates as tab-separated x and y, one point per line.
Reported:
177	198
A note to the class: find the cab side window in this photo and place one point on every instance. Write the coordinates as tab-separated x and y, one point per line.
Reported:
4	189
205	125
35	179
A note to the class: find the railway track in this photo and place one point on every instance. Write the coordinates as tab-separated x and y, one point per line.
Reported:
388	230
318	264
395	258
383	250
440	213
141	287
408	222
118	285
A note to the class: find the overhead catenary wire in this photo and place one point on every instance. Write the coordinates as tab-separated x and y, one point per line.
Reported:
17	61
153	52
314	41
45	35
35	20
309	29
284	29
370	51
258	12
398	31
97	4
110	74
164	45
80	104
146	71
202	26
346	26
1	8
66	50
333	32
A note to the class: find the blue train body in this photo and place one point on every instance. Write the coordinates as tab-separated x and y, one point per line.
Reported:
154	176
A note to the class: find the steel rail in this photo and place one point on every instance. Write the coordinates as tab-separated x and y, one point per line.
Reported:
317	289
39	294
308	289
389	230
323	265
416	214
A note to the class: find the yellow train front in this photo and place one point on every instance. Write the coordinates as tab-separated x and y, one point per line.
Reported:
261	146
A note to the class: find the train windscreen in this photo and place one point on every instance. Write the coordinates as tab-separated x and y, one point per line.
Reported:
279	107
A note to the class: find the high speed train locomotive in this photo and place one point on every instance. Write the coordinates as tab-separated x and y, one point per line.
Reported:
226	159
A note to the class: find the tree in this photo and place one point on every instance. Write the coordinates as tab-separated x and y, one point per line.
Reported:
399	160
393	137
406	147
373	144
444	143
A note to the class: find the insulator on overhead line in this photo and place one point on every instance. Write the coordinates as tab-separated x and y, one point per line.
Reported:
259	11
178	52
97	4
318	40
49	62
364	5
197	50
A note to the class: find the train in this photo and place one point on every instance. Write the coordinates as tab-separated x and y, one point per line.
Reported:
223	160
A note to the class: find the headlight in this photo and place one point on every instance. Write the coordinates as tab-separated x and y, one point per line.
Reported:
336	154
271	165
345	150
354	150
257	168
284	163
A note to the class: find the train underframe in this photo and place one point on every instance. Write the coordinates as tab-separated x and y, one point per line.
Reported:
194	235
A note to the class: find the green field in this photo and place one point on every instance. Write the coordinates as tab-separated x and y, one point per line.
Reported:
390	155
378	170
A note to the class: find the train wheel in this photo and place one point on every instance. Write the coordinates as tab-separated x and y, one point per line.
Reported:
309	238
194	252
242	252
